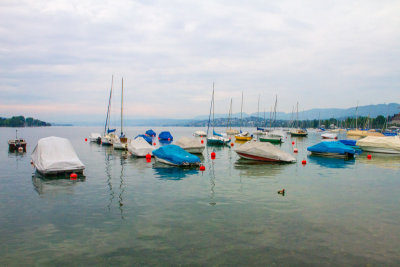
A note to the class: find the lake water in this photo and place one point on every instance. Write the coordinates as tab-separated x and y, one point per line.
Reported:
127	212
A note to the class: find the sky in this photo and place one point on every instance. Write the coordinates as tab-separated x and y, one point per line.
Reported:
57	57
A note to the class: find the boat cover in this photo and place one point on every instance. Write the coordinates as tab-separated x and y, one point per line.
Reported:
389	142
349	142
145	137
140	147
175	155
151	133
55	154
165	136
216	134
331	147
186	142
265	150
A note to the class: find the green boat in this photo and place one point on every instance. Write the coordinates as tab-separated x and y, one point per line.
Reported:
271	139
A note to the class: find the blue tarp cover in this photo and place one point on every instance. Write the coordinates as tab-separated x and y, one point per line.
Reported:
217	134
111	131
175	154
349	142
147	138
331	147
151	133
165	136
260	129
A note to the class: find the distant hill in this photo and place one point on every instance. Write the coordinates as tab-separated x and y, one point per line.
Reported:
20	121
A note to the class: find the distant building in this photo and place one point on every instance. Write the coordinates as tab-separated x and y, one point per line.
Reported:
395	120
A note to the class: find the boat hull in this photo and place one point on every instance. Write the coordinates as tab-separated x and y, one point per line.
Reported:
258	158
243	138
217	142
333	155
271	140
379	150
173	164
195	150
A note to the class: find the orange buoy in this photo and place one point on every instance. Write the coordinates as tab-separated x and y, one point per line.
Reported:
369	156
232	144
73	176
304	162
295	150
213	155
202	168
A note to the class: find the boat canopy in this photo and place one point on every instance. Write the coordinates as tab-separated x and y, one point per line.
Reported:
145	137
111	130
186	142
264	150
54	155
216	134
389	142
349	142
139	147
165	136
175	155
332	147
151	133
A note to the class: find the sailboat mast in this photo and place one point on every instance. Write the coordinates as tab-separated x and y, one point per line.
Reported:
109	107
356	114
241	114
297	116
258	111
122	105
229	117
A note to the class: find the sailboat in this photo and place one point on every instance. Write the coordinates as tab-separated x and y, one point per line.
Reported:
243	136
298	131
109	136
216	138
273	136
230	131
259	130
122	142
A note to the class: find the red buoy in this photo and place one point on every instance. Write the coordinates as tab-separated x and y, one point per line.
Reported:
304	162
292	142
369	156
154	144
85	139
169	139
73	176
213	155
202	141
232	144
295	150
202	168
148	156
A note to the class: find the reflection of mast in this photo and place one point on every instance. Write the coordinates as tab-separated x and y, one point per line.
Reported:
108	167
121	187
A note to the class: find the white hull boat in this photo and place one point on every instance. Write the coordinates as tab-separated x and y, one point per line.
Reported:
200	134
387	145
191	145
94	137
139	147
329	136
263	152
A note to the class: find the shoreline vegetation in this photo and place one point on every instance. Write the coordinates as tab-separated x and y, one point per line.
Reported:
20	121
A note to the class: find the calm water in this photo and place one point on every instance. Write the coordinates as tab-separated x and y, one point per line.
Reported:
129	212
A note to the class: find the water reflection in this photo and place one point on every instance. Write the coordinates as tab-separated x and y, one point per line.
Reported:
250	168
331	162
166	172
387	161
54	185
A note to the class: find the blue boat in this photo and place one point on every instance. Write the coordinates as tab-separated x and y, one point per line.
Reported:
151	133
351	143
165	136
175	155
332	149
145	137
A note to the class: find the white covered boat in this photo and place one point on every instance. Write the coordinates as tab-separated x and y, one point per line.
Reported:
139	147
109	139
263	152
54	155
200	134
388	144
95	137
191	145
329	136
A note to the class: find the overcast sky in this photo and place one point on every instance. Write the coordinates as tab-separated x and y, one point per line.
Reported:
57	57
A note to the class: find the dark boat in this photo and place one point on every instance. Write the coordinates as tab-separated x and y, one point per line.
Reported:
17	144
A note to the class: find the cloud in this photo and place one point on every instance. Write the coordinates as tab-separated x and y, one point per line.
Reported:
58	53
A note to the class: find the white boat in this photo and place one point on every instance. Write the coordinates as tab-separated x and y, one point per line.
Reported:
387	144
230	131
55	155
329	136
109	139
191	145
259	151
200	134
139	147
95	137
122	142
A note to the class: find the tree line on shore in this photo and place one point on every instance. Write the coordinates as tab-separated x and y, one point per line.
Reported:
21	121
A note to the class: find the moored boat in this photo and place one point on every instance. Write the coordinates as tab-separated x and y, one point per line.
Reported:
191	145
176	156
165	136
333	149
244	136
139	147
298	132
95	138
386	144
271	138
17	144
56	155
200	134
258	151
329	136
